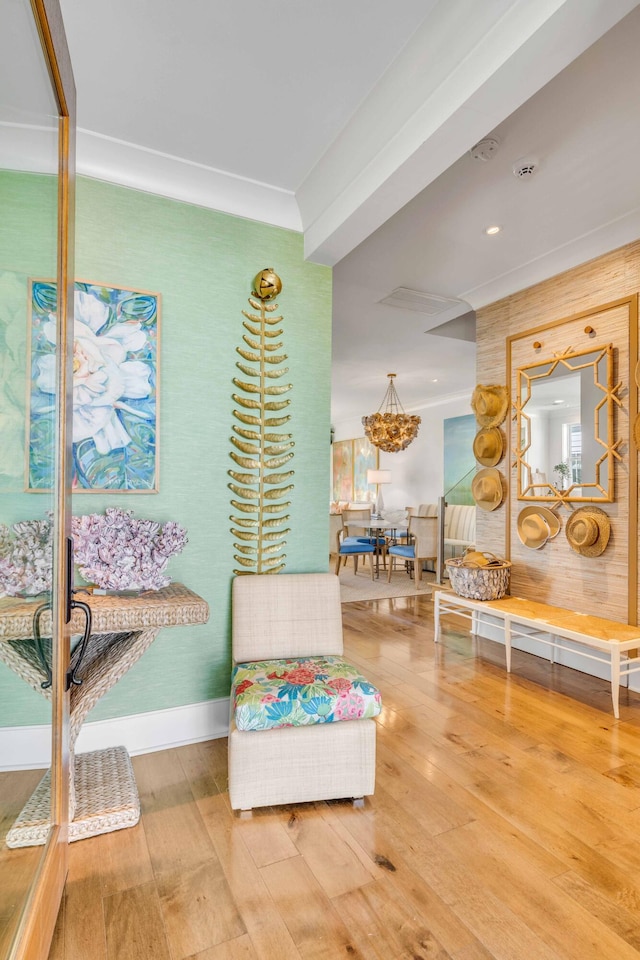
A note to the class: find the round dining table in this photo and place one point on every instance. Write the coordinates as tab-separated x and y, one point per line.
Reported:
377	527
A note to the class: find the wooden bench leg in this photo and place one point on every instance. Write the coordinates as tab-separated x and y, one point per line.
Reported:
507	643
615	682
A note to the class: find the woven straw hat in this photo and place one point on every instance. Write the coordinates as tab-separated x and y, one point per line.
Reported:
486	488
475	557
490	404
488	446
588	531
536	525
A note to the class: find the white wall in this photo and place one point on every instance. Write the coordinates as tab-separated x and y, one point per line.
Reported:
417	472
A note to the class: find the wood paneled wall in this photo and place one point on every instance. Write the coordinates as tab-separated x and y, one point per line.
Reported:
607	585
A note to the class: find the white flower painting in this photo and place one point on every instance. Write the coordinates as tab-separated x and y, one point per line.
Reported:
114	387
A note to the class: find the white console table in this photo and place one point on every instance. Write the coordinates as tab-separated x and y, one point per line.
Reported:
593	638
103	793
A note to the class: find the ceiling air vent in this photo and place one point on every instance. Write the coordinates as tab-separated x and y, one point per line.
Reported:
429	303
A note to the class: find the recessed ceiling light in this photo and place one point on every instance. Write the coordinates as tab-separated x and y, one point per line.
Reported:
435	381
558	401
492	230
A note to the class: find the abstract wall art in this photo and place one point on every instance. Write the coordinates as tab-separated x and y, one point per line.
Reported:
342	455
459	458
365	457
350	461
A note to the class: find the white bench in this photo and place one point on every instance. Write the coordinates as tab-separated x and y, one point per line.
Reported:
593	638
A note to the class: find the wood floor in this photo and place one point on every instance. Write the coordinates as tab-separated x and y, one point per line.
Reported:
17	867
505	825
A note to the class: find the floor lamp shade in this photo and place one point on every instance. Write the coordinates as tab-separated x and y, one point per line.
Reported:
379	477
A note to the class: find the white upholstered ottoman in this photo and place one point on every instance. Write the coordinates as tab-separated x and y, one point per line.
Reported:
301	725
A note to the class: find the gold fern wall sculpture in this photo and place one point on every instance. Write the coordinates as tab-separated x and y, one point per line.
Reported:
261	449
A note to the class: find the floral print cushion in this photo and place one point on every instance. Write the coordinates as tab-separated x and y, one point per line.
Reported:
301	691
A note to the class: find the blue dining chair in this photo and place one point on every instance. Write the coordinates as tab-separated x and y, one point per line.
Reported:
354	547
395	534
423	545
351	521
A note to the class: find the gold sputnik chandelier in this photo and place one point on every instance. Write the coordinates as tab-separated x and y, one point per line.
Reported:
393	429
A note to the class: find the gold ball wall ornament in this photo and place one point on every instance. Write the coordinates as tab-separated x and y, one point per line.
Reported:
267	284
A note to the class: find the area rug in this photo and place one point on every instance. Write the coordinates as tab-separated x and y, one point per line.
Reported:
360	587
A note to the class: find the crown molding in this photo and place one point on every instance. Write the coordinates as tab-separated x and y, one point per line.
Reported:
30	148
129	165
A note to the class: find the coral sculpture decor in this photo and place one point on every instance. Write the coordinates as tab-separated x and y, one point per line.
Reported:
114	550
117	551
26	552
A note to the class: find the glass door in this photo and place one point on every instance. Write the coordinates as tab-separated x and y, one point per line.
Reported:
36	124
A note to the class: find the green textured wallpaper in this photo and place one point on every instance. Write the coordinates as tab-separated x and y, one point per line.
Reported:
202	263
28	242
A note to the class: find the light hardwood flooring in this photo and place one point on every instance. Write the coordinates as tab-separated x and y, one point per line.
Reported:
504	825
17	867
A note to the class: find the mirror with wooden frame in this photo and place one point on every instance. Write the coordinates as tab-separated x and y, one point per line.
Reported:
565	446
37	106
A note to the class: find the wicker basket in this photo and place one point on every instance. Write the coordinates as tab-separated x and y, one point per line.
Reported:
469	579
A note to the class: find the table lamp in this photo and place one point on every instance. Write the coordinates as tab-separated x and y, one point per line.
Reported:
378	477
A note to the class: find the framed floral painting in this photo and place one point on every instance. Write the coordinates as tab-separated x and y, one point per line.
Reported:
115	388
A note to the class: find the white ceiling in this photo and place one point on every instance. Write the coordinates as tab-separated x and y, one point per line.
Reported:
584	199
258	89
352	120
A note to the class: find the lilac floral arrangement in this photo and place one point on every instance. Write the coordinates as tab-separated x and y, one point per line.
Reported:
26	553
117	551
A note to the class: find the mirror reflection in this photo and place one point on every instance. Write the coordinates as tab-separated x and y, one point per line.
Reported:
566	447
28	249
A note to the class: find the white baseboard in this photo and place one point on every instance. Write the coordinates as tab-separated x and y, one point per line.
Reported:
28	748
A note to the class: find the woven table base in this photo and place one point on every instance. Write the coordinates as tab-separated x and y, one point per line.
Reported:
106	800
